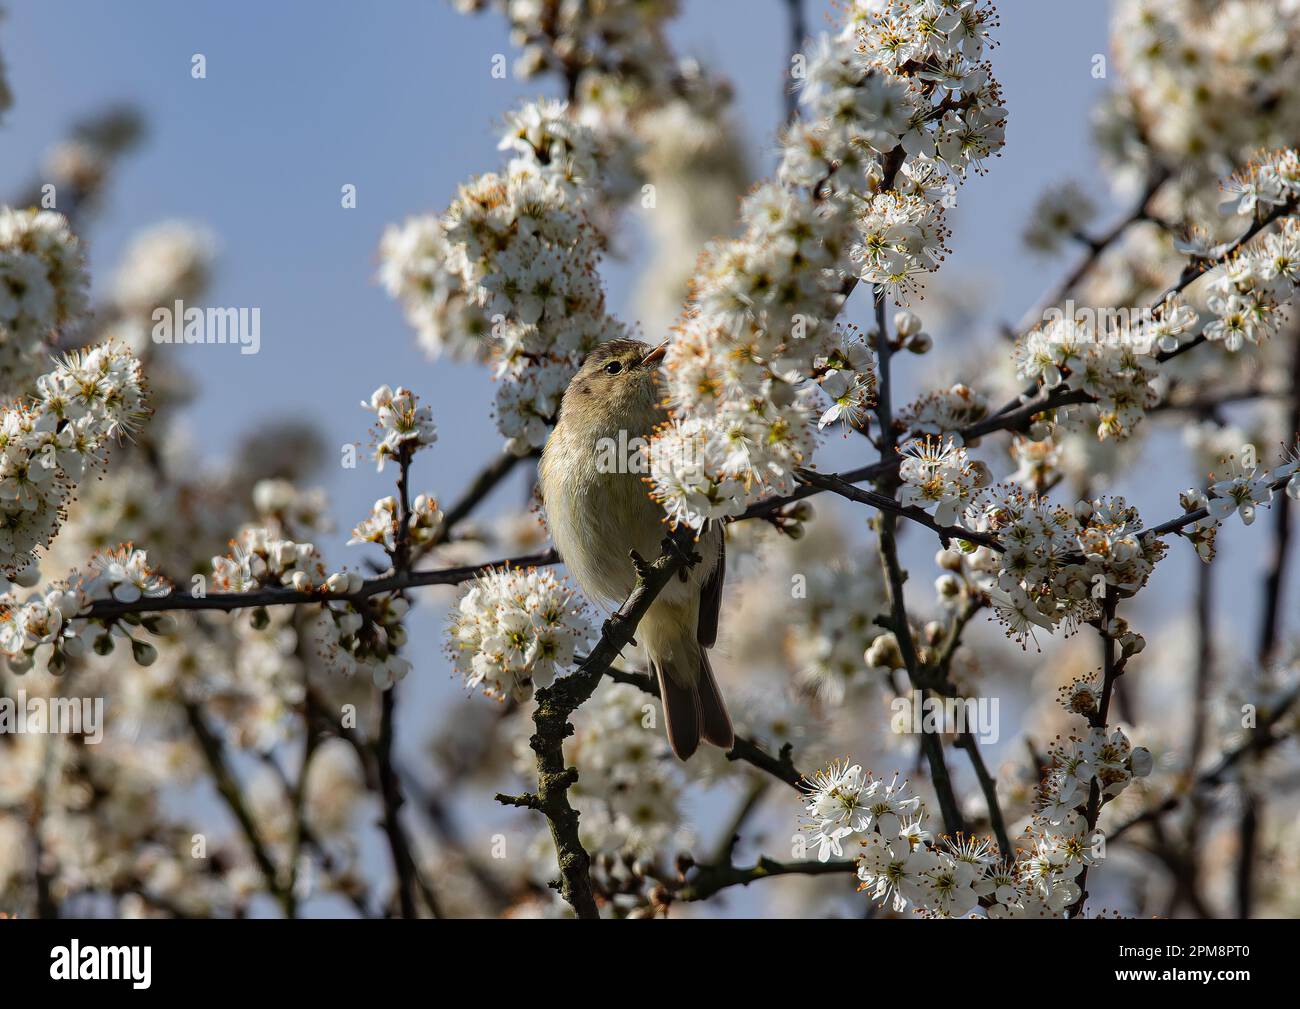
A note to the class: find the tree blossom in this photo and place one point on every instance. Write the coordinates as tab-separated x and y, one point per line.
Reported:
401	425
42	287
757	322
51	442
514	628
939	477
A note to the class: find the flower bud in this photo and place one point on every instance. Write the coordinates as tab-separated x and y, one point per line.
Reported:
920	344
883	653
947	587
907	324
161	624
949	560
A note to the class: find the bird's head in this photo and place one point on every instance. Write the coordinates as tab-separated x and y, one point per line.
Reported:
618	386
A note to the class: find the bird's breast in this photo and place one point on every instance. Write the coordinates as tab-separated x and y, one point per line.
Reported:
598	509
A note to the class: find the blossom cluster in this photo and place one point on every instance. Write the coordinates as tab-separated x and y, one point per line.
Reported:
401	424
1117	372
1112	357
415	269
514	628
259	558
1249	295
848	380
1060	564
1201	83
382	524
939	477
167	262
629	793
52	624
944	412
1239	487
589	39
903	865
1053	565
626	85
519	249
49	443
896	109
357	645
42	288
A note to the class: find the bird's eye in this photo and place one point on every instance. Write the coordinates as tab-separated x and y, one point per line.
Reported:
614	367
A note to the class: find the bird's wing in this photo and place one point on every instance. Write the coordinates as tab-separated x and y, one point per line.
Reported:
711	597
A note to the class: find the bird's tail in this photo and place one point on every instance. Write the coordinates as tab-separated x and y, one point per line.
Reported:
693	705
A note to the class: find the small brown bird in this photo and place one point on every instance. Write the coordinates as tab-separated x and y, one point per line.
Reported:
598	513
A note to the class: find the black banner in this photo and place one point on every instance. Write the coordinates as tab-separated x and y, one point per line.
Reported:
333	958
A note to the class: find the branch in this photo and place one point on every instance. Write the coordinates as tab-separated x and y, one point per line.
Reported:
404	868
107	609
229	788
556	703
1192	517
749	804
707	880
795	17
1261	740
887	523
966	740
1112	668
1194	269
1275	580
1096	246
881	502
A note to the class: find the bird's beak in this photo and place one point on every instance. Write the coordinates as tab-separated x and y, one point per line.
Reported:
656	355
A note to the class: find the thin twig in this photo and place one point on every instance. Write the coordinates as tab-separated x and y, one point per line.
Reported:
228	787
887	521
1096	246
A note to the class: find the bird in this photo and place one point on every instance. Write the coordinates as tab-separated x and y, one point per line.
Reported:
599	513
